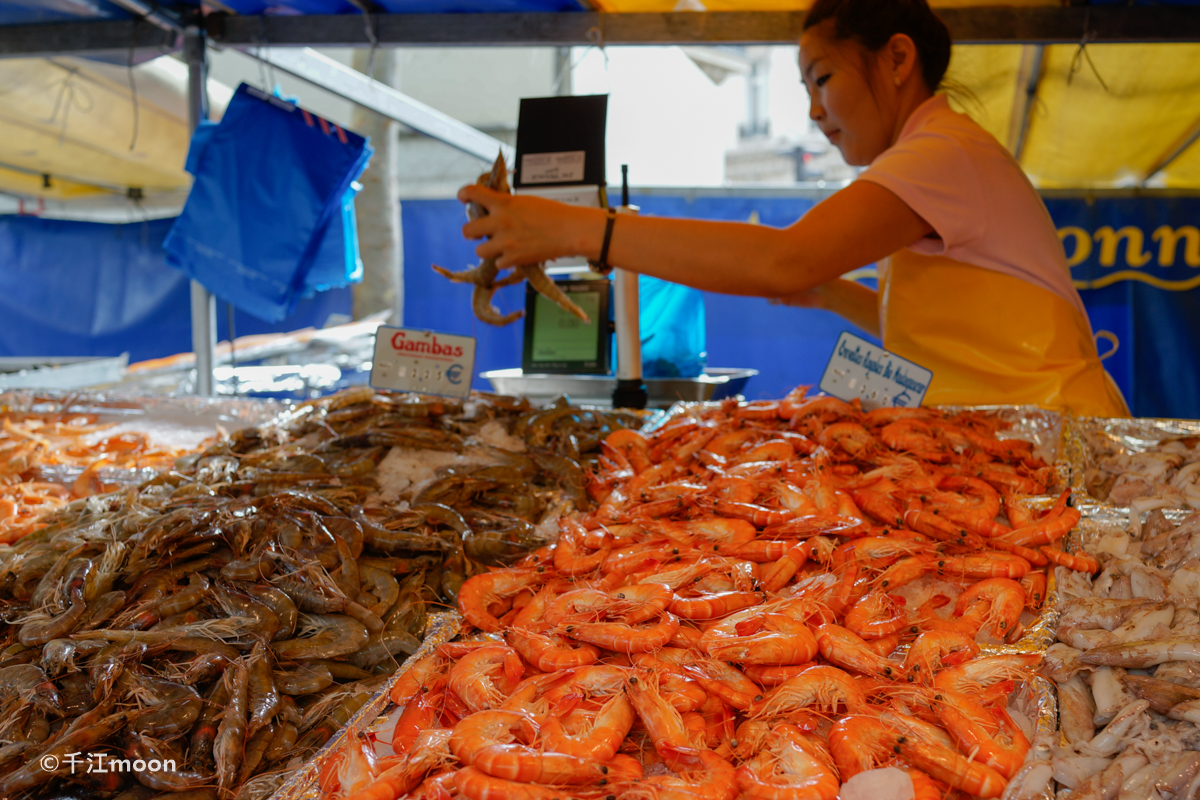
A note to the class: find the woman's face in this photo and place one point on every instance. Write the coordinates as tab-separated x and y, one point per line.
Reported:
843	105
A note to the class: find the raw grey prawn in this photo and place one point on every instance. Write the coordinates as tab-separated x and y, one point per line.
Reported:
484	276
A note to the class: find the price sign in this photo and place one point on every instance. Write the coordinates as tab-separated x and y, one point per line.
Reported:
410	360
860	369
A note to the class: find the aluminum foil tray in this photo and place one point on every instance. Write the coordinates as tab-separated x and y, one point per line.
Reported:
179	422
1089	439
302	785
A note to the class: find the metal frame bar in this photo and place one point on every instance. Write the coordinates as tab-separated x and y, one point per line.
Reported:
1028	79
351	84
975	25
972	25
1174	152
204	305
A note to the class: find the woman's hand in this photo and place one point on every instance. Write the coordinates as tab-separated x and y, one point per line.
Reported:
529	230
809	298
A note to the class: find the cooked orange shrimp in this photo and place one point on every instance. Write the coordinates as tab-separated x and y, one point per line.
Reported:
934	650
1034	585
989	734
726	444
813	415
999	601
850	439
845	649
984	565
528	636
912	435
481	591
600	736
977	674
1044	531
718	678
706	775
876	615
622	638
947	766
786	768
860	742
733	489
631	604
778	574
711	606
1078	561
478	785
569	556
823	687
761	637
905	571
633	446
420	713
484	677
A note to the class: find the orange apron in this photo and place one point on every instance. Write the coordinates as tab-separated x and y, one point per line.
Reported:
991	338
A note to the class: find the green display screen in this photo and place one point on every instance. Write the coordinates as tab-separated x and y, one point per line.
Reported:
560	336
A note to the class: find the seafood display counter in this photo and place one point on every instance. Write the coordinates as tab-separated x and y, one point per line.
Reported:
223	619
763	599
768	600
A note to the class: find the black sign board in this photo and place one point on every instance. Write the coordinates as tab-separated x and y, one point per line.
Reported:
560	141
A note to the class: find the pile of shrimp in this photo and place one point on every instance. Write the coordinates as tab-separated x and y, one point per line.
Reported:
1126	667
229	616
29	442
731	621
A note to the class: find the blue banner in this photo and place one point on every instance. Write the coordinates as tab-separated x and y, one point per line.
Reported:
1136	263
1135	260
91	289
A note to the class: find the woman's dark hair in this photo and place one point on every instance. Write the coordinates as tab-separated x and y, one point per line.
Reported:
872	23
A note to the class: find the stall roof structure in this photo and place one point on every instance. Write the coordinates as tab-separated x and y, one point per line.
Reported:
1122	111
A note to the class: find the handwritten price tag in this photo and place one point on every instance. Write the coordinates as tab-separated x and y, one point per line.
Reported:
860	369
409	360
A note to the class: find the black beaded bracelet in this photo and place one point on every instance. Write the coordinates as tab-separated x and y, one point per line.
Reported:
601	265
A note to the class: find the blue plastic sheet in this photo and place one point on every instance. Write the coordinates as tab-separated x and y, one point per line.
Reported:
90	289
272	182
671	323
1159	329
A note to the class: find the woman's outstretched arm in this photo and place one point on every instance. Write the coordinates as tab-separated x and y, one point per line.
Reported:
856	226
849	300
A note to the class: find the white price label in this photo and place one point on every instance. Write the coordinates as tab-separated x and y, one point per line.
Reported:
880	379
552	167
409	360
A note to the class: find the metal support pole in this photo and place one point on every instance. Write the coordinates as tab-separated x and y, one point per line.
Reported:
204	305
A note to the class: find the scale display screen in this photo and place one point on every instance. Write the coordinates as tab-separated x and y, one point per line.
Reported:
558	342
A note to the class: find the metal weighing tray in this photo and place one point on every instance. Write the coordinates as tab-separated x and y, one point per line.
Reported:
597	390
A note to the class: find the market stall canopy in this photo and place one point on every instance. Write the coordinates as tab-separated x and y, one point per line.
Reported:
73	128
1107	115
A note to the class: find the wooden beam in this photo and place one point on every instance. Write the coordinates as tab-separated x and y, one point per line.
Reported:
971	25
103	38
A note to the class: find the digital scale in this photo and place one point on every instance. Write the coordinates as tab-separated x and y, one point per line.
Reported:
560	156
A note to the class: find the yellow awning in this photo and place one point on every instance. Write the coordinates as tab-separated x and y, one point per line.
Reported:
1100	119
82	124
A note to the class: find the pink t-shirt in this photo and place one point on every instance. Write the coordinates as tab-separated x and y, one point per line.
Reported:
965	184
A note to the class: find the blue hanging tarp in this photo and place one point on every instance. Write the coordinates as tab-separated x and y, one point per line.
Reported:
92	289
272	183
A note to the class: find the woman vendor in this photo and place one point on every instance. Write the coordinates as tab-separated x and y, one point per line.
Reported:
973	280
